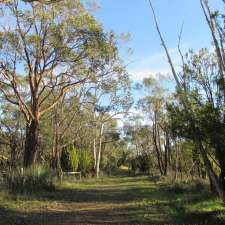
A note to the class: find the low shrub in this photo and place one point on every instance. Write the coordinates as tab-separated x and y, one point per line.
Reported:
177	188
33	179
142	164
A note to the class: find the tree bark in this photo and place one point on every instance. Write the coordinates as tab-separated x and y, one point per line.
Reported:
221	158
94	152
98	156
214	181
31	143
167	153
156	139
176	162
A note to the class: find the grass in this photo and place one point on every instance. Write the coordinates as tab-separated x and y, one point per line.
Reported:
114	200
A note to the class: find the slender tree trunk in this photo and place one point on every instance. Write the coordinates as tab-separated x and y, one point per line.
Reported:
156	140
94	152
13	152
158	155
221	158
168	150
98	156
214	181
176	162
31	143
97	168
55	145
55	156
166	156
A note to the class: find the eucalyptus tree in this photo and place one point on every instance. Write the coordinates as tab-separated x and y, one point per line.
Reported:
111	99
202	72
50	49
216	22
191	100
12	131
153	104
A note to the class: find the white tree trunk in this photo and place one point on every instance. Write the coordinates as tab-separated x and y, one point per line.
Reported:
98	155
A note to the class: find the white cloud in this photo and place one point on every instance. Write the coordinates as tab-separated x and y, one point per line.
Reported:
154	65
139	75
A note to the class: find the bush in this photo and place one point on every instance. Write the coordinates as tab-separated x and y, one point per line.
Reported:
109	163
134	165
69	159
33	179
85	162
142	163
103	162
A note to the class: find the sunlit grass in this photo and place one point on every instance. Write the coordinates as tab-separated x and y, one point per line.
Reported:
122	200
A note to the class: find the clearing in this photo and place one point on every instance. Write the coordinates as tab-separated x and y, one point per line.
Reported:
115	200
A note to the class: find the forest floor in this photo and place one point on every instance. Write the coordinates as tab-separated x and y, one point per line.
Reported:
115	200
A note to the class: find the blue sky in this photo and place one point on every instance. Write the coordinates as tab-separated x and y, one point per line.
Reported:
134	16
148	58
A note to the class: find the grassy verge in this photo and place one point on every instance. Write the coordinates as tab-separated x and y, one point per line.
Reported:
115	200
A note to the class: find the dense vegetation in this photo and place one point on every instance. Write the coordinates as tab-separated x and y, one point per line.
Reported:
64	89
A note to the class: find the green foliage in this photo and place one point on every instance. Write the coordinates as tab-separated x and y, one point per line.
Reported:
103	161
142	163
112	163
124	158
85	162
134	165
33	179
69	159
115	155
109	162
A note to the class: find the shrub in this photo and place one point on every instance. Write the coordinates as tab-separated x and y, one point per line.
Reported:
112	164
85	162
69	159
103	162
177	188
108	163
141	163
134	165
144	163
33	179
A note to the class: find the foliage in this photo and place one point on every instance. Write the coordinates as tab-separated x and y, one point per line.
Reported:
142	163
33	179
85	162
70	159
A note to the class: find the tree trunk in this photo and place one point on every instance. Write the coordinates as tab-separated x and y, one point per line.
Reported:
214	181
98	156
94	152
55	164
13	152
219	146
97	168
221	158
157	146
31	143
167	155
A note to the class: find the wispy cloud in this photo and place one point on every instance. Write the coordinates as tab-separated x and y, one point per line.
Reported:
139	75
154	65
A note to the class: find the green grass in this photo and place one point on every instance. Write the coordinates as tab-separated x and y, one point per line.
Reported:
115	200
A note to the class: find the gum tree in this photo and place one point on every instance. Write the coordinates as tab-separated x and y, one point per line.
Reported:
49	50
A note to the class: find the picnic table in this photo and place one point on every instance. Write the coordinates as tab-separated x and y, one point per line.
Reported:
3	175
71	173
